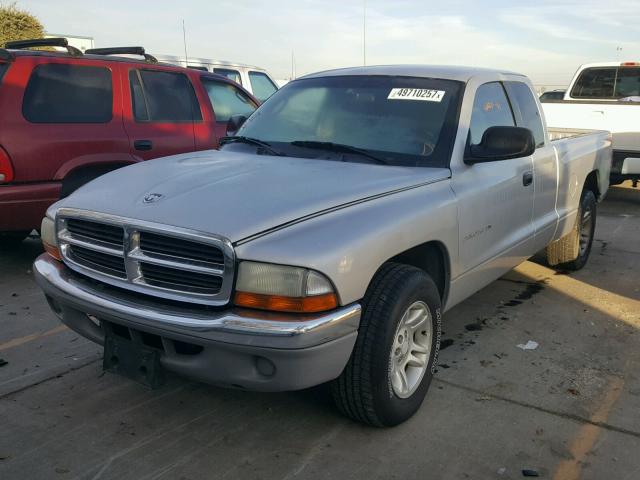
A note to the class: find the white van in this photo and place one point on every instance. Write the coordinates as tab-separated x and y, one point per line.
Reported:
254	79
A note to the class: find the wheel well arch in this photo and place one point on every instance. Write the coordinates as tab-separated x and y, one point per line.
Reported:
80	175
433	258
591	183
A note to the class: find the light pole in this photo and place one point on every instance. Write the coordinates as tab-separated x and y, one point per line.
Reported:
364	34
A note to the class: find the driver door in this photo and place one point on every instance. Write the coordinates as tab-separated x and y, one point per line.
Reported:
495	199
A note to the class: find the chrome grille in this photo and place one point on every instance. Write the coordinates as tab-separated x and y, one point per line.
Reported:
96	231
110	264
159	260
177	247
179	279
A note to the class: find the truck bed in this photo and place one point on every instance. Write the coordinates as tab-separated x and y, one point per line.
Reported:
560	133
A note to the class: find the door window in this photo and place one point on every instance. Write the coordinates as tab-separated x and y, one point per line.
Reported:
227	100
261	85
628	83
163	97
490	109
3	69
230	74
526	108
61	93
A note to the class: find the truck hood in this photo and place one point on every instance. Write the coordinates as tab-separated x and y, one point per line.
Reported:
237	195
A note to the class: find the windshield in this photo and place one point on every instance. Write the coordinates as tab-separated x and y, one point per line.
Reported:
400	120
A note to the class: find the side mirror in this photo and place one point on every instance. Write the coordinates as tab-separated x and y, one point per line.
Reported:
234	124
501	143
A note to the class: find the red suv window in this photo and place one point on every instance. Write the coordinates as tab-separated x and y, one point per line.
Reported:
159	96
3	68
62	93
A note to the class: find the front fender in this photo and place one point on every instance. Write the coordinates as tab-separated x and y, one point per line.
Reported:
349	245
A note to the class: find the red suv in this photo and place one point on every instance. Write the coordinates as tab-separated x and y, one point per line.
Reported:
66	118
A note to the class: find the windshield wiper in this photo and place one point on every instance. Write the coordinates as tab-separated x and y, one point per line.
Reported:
251	141
337	147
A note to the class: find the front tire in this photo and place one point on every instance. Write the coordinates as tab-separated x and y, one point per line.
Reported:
571	252
392	363
11	240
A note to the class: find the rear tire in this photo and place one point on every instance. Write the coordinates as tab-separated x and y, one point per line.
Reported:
393	360
571	252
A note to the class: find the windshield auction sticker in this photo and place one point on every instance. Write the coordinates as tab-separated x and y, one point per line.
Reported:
421	94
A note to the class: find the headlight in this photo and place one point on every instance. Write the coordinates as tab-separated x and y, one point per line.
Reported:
281	288
49	239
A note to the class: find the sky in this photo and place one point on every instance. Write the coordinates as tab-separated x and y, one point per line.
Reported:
546	40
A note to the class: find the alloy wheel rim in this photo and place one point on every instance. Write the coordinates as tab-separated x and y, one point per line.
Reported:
585	230
411	349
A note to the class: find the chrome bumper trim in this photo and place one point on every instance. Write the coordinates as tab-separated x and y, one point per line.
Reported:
242	326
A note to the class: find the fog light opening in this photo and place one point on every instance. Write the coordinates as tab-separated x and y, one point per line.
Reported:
265	367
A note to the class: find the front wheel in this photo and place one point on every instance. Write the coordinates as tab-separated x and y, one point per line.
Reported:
12	239
392	363
571	252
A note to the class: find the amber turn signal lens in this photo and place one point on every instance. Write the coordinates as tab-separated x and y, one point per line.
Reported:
317	303
53	251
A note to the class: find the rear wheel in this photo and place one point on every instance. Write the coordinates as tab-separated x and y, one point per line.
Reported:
571	252
392	364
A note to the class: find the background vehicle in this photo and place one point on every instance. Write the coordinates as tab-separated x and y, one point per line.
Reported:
605	96
323	243
552	95
66	118
255	79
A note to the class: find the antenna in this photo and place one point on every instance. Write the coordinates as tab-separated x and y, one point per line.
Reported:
184	39
364	34
293	66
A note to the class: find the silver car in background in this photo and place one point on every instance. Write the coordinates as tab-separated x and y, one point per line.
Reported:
255	79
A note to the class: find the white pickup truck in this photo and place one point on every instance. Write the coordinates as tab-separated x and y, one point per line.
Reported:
325	239
605	96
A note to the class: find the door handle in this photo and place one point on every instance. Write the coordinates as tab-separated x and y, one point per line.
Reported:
143	145
527	178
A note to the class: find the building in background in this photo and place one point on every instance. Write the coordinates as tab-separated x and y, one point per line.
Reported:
81	43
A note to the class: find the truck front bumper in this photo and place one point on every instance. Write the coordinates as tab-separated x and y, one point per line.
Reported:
238	348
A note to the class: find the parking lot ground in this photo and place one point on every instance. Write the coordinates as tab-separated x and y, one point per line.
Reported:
567	409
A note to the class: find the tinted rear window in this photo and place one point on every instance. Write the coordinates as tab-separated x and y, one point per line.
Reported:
608	83
163	97
60	93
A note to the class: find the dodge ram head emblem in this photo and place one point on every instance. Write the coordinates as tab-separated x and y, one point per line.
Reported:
152	197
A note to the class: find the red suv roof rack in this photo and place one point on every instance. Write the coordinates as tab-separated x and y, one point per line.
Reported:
43	42
122	51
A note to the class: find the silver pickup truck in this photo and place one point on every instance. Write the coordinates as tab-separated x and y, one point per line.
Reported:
326	238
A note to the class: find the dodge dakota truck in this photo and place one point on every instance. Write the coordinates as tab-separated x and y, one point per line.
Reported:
605	96
326	239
